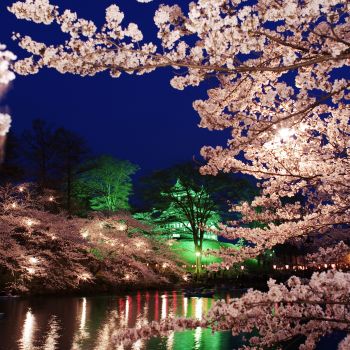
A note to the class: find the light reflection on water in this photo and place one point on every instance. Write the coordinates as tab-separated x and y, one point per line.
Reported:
72	323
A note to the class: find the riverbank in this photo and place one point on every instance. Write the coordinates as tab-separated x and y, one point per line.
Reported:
44	253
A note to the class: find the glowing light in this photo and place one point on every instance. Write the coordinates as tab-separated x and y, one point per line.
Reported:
28	331
83	315
185	305
127	309
325	266
333	266
198	254
30	270
51	198
170	341
121	227
242	267
185	278
165	265
21	189
127	276
33	260
197	338
14	205
52	335
164	305
287	267
85	276
199	308
29	222
274	267
84	233
198	315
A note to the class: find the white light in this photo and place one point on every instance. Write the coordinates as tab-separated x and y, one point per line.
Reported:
83	315
242	267
199	308
85	276
14	205
121	227
287	267
127	309
127	277
28	331
274	267
33	260
198	254
85	233
29	222
51	199
30	270
164	305
21	189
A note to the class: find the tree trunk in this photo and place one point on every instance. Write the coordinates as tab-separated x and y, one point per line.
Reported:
198	252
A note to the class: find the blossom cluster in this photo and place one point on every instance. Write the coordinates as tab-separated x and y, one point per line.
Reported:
6	76
330	254
44	251
280	93
308	309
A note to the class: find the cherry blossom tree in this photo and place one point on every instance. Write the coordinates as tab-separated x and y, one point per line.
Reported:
282	90
6	76
44	251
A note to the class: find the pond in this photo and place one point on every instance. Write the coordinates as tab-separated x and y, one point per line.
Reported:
85	323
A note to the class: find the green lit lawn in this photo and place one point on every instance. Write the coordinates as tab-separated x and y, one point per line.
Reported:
185	249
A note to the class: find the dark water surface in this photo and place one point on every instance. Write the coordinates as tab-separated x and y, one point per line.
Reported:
85	323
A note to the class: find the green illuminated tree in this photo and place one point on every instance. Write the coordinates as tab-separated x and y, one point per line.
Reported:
187	202
107	185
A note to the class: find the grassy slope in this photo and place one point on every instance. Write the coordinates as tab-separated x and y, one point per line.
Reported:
185	249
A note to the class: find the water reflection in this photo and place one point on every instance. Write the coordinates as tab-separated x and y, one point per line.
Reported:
88	323
52	335
26	342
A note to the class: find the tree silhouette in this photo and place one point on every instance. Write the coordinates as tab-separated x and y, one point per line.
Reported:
71	149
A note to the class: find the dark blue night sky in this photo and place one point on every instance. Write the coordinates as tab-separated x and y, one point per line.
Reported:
142	119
